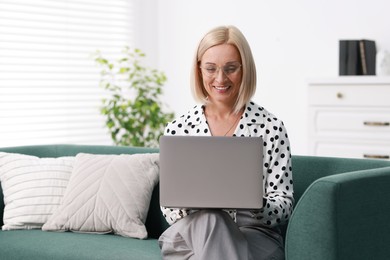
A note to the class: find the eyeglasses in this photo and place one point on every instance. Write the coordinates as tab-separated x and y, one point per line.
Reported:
228	69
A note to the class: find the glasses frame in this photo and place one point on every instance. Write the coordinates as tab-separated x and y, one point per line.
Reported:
218	68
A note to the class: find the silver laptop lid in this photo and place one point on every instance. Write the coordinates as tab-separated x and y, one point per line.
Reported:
211	172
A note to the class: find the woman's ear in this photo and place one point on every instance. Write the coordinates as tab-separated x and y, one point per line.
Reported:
199	70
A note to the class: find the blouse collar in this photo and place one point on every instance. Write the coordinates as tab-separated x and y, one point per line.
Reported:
253	115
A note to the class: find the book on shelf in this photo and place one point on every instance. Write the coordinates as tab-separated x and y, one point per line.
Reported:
357	57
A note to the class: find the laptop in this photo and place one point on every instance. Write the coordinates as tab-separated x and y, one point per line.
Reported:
211	172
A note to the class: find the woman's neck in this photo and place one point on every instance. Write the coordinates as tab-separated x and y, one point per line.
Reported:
222	120
220	111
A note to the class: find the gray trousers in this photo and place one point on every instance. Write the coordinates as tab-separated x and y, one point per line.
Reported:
212	234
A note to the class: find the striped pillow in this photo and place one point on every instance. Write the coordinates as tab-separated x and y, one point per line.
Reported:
32	187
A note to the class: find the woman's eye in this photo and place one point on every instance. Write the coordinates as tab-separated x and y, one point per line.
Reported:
230	69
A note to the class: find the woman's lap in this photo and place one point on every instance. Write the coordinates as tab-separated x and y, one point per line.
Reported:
221	236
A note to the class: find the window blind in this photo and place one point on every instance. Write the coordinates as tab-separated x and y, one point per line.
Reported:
49	82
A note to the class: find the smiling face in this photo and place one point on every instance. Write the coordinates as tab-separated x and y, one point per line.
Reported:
221	73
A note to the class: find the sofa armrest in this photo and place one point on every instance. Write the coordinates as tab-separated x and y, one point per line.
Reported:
342	216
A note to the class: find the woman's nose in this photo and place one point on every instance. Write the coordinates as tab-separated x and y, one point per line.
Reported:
220	76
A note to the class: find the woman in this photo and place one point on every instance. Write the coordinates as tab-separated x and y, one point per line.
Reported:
223	81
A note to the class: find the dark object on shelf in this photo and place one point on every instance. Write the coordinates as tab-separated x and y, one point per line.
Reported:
357	57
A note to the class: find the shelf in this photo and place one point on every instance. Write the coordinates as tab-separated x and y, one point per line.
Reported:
350	80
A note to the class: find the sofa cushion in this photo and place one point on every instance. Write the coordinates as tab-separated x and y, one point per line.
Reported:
108	193
40	245
32	187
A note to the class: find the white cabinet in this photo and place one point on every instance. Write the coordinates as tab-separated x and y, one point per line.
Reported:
350	117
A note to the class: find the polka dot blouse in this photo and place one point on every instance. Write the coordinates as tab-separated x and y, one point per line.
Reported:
278	183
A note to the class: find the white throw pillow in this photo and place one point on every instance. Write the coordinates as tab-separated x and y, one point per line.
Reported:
33	188
108	194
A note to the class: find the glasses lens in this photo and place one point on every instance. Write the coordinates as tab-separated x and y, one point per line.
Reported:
211	70
230	69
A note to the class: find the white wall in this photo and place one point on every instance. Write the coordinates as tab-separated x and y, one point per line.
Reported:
291	42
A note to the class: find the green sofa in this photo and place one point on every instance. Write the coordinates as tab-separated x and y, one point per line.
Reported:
342	212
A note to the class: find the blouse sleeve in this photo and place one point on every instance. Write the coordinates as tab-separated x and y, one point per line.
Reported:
278	196
172	215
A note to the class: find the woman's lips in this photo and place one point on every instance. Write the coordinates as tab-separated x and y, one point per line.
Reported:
221	88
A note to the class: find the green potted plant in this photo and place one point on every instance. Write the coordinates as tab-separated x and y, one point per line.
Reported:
134	111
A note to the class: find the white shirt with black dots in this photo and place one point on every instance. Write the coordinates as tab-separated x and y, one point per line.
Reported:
278	183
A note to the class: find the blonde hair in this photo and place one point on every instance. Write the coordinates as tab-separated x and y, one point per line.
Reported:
225	35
